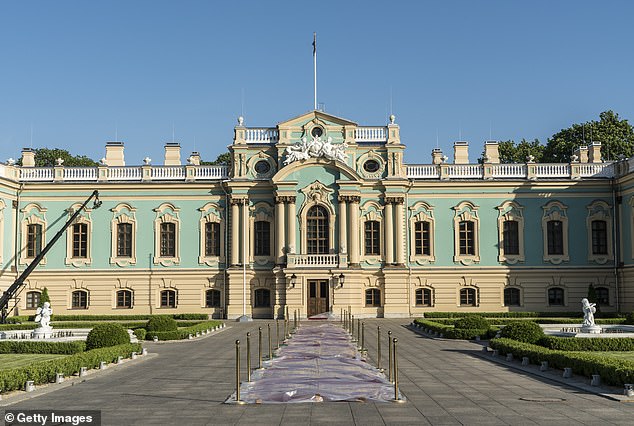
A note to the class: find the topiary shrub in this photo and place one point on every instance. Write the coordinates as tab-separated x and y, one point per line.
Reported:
523	331
140	333
161	323
105	335
474	322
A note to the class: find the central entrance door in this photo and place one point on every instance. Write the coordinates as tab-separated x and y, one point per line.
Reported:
317	297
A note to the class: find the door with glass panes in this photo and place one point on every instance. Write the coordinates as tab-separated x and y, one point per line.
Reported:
317	297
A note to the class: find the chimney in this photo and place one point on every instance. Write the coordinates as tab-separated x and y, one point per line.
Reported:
436	156
491	152
582	154
595	152
461	152
28	157
172	154
114	154
194	159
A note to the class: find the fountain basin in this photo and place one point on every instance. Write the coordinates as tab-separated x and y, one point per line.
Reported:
579	330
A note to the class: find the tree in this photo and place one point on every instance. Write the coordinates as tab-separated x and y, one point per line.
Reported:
512	153
47	157
592	296
223	159
615	134
44	298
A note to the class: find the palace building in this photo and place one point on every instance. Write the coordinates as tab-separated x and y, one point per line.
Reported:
319	214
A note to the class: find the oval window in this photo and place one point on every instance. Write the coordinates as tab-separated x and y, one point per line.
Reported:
317	132
371	166
262	167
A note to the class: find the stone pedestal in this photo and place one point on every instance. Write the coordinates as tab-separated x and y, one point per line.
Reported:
592	329
42	333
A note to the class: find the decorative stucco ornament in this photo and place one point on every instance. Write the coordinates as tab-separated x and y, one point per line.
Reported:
316	148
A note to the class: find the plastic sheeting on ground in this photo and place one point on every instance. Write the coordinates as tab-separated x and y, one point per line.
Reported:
319	364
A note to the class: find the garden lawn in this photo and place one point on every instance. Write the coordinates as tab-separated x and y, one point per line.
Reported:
8	361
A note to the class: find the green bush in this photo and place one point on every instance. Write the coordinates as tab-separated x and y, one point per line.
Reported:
198	317
44	371
587	344
450	332
572	314
30	347
140	333
612	371
161	323
106	335
472	322
182	333
523	331
114	317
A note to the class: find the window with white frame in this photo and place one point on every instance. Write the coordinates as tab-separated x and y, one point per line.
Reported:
261	228
468	297
466	233
124	299
33	228
510	232
422	233
79	299
212	298
211	228
555	233
123	231
168	299
78	238
599	225
167	235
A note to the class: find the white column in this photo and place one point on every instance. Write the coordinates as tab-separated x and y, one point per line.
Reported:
400	244
388	222
280	228
291	220
353	216
235	232
342	221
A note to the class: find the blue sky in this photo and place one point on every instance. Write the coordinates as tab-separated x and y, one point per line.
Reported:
78	73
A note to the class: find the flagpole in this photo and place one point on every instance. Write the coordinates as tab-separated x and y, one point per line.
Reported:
315	66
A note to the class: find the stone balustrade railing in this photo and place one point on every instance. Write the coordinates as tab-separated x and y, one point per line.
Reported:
370	134
264	135
130	174
315	260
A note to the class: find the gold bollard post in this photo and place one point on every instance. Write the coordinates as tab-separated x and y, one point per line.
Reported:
295	321
238	400
270	347
248	356
358	330
378	347
285	329
277	334
341	316
362	337
259	347
397	397
352	329
389	359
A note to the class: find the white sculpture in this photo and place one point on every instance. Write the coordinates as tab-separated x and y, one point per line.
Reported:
588	312
43	315
316	148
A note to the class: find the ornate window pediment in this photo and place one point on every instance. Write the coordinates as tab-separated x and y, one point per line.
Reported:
422	232
466	233
555	231
510	232
599	230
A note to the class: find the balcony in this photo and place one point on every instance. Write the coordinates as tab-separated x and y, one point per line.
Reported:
317	260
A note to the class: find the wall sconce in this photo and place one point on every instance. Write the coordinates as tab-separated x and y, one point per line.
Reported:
293	280
342	279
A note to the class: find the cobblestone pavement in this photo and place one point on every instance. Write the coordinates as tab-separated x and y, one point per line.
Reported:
188	382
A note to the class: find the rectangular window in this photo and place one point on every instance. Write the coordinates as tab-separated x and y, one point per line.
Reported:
422	238
80	240
168	239
33	240
467	238
555	234
599	237
80	300
168	299
262	238
372	237
510	236
124	299
373	297
124	240
32	299
212	239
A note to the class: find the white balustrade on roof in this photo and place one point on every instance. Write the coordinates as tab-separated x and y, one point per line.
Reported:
210	172
604	170
509	170
80	173
423	171
370	134
264	135
464	171
168	173
552	170
36	174
124	173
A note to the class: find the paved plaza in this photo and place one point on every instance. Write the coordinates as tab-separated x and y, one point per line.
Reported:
443	381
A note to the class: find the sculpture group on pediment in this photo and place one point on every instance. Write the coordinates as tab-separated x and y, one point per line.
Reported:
315	148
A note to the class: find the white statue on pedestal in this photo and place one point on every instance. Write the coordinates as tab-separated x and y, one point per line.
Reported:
43	316
588	312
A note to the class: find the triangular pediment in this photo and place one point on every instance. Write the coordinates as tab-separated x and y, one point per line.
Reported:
321	116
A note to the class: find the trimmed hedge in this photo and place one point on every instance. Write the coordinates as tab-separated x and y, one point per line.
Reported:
595	344
161	323
523	331
504	321
182	333
29	347
450	332
474	322
573	314
44	371
612	371
140	333
106	335
24	318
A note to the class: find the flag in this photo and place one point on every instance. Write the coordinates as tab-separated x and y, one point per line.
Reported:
314	44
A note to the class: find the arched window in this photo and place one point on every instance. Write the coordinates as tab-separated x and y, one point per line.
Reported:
124	299
603	296
373	297
168	299
212	298
511	297
317	230
33	240
372	237
423	297
468	297
262	298
556	296
79	299
33	299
